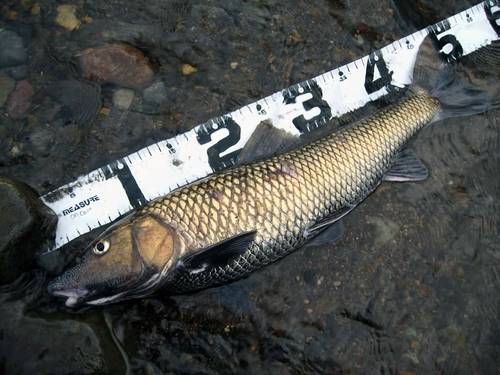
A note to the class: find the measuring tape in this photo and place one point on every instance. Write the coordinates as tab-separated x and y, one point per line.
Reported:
105	194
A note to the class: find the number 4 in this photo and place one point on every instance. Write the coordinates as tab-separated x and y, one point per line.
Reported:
376	60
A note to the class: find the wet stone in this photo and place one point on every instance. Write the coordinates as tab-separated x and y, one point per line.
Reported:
156	93
66	17
385	230
19	100
26	224
205	11
12	51
38	346
18	72
120	64
310	277
7	84
123	98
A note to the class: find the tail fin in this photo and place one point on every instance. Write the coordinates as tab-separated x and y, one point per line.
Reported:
457	97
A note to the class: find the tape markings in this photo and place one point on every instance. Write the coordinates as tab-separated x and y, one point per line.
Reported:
103	195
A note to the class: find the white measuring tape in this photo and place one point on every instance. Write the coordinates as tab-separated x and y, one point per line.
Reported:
108	192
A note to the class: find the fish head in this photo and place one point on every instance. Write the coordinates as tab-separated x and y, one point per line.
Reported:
125	261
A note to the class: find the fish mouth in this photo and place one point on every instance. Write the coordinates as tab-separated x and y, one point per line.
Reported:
77	297
74	296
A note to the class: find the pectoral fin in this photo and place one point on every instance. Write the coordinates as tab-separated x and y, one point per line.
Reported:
408	167
217	255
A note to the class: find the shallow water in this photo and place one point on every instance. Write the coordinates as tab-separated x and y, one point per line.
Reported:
412	287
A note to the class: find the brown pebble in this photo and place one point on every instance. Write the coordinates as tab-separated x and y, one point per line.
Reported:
188	69
19	100
120	64
26	4
35	10
66	17
13	15
105	111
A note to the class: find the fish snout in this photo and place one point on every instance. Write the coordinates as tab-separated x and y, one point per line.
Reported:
73	295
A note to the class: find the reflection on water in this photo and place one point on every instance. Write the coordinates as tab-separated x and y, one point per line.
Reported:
413	287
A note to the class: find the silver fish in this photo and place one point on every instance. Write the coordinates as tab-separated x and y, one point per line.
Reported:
234	222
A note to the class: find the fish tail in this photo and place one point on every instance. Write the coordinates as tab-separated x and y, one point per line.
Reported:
441	80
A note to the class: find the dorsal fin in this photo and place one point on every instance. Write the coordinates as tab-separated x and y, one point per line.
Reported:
267	141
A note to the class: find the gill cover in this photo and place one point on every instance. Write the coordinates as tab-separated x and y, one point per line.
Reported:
119	262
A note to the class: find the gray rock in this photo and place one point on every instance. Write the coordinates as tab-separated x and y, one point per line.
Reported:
7	84
25	223
385	230
12	51
205	11
123	98
156	93
38	346
18	72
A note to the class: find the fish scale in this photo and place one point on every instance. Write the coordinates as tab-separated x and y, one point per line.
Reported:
283	196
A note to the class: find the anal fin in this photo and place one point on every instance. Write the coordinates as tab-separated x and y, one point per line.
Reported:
408	167
329	220
329	235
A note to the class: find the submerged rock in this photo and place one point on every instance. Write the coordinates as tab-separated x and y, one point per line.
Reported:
385	230
38	346
19	72
12	51
123	98
7	84
188	69
120	64
66	17
25	224
19	100
156	93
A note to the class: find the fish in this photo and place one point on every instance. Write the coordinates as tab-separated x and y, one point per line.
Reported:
234	222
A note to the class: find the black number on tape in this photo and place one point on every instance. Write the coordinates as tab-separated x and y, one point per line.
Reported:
308	88
449	47
121	170
376	60
171	149
493	14
204	136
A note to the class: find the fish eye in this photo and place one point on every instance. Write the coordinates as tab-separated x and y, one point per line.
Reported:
100	247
